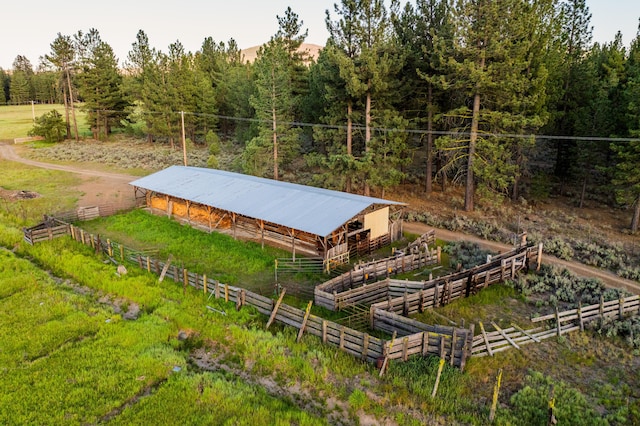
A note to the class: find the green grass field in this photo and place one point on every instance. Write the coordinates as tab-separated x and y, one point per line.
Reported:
68	356
17	120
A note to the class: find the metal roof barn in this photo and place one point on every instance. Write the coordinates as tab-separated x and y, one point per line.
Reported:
314	210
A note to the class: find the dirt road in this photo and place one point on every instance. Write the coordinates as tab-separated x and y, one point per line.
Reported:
580	269
104	187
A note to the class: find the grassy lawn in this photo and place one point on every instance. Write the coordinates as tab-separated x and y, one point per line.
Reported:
55	188
69	356
17	120
218	255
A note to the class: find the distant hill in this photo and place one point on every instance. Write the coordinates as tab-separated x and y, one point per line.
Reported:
312	49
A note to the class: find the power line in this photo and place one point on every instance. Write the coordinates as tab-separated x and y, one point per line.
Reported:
454	133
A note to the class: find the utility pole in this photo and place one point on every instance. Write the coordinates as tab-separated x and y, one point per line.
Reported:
184	140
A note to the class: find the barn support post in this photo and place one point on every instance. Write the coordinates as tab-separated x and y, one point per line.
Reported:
262	234
293	244
209	217
233	220
188	213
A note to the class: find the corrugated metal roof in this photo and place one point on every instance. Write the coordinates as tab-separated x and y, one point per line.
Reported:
305	208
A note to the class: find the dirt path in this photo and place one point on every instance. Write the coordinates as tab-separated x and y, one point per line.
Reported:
580	269
97	187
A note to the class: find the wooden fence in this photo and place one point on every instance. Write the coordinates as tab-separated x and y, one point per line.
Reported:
452	343
447	342
488	343
326	294
410	297
49	229
92	212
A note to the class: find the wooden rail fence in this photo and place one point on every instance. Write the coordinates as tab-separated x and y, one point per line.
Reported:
410	297
488	343
49	229
447	342
326	294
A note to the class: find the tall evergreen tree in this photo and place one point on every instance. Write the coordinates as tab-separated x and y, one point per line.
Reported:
62	57
425	32
21	89
279	72
101	86
143	68
570	81
503	83
277	141
626	176
367	61
603	115
5	83
336	64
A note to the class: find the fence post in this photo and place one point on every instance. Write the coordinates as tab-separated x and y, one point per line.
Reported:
365	345
558	321
539	257
121	253
620	307
304	320
204	284
496	390
437	383
453	347
185	280
580	316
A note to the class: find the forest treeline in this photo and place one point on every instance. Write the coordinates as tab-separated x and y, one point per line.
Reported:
509	99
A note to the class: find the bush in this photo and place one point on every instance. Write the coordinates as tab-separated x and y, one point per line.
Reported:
50	126
531	403
465	253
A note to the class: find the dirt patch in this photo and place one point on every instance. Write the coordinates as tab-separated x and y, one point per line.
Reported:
99	191
18	194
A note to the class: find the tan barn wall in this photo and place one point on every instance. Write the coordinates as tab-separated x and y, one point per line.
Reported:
377	222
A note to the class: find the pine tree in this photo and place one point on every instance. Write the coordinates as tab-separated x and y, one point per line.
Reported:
101	86
504	84
21	89
5	83
626	172
570	82
425	32
277	141
62	57
142	66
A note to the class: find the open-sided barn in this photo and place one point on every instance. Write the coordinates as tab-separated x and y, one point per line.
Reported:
306	219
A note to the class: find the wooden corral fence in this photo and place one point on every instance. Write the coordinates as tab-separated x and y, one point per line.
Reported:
410	297
488	343
425	240
92	212
49	229
449	343
443	341
326	294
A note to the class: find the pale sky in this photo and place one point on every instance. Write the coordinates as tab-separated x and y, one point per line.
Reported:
29	26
